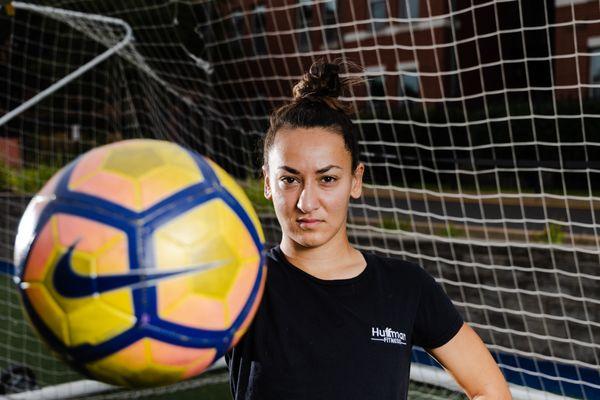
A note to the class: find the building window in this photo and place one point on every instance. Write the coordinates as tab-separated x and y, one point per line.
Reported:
377	86
376	80
595	72
408	8
378	11
258	29
329	15
304	17
237	22
408	82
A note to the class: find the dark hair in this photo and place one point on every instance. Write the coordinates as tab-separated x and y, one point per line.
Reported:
316	104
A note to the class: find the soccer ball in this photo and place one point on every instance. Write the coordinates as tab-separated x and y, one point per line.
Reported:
140	263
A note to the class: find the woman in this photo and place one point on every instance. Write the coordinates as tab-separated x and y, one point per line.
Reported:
335	322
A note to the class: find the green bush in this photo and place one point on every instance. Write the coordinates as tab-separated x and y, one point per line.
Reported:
25	180
255	191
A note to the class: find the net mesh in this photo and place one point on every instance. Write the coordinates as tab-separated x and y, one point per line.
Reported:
478	129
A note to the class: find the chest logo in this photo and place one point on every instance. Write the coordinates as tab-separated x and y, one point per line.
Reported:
387	335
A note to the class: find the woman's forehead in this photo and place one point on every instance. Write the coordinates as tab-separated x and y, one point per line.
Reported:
309	148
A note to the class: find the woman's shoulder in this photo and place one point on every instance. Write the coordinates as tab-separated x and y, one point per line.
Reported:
395	266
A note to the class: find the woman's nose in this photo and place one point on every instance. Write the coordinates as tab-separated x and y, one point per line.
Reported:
308	200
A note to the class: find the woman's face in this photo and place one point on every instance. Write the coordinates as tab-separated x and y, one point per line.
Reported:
310	181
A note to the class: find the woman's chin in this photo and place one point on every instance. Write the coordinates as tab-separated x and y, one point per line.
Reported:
309	239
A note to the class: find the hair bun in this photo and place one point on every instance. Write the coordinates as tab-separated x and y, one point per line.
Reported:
322	80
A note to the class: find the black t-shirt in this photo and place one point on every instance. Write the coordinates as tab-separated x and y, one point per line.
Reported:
339	339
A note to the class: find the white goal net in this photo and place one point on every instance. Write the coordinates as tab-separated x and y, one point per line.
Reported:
480	132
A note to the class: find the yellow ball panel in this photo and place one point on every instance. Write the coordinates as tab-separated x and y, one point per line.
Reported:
208	233
133	366
96	321
50	312
155	153
232	187
120	300
234	233
215	282
199	235
157	169
169	253
83	263
242	287
173	154
194	227
132	160
165	181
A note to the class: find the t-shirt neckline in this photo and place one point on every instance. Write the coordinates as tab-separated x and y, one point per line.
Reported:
336	282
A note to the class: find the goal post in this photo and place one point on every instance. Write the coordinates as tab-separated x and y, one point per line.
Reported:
66	14
478	129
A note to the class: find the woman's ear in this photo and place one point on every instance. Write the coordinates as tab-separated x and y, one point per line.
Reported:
267	183
357	177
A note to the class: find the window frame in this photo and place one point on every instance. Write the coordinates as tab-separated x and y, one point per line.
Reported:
259	19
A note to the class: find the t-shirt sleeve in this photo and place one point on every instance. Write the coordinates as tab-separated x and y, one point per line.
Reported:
437	320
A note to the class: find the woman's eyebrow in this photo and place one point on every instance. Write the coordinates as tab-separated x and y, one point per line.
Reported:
319	171
289	169
327	168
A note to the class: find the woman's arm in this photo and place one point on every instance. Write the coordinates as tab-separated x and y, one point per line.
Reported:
467	359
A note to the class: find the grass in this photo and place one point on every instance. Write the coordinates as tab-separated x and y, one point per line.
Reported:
450	231
552	234
21	346
219	391
395	224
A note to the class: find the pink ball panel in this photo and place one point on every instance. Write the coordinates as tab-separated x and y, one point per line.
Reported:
242	287
40	253
115	260
91	234
86	166
199	366
200	312
176	356
134	355
111	187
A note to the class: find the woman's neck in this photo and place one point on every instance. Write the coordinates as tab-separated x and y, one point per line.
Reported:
332	260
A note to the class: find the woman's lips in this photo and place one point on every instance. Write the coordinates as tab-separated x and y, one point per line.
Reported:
308	222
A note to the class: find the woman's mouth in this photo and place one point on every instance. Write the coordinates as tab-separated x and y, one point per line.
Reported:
308	222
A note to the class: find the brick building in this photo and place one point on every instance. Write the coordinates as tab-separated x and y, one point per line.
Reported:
577	48
391	43
460	57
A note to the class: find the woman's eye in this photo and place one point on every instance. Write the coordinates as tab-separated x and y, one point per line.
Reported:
328	179
288	180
